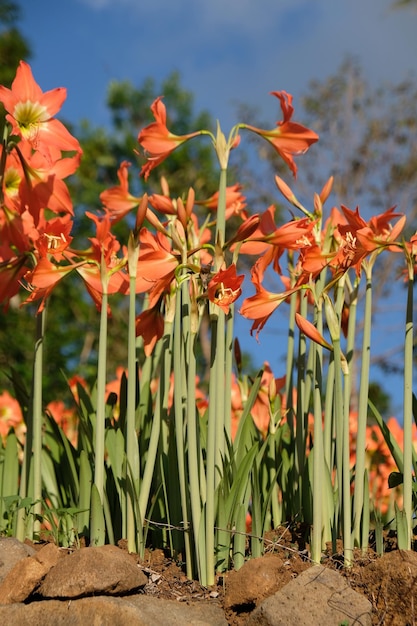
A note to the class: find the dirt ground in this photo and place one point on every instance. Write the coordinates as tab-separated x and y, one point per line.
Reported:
389	581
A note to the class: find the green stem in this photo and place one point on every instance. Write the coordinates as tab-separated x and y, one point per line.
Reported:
101	400
31	474
211	457
362	411
193	449
408	411
161	410
290	362
37	421
302	404
230	319
341	407
221	209
216	415
181	343
318	460
133	525
346	487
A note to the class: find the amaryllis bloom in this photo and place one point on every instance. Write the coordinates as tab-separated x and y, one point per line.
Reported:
311	331
311	262
30	111
235	202
382	231
91	274
271	241
150	326
163	204
54	237
261	409
157	141
224	288
10	414
42	185
42	280
261	306
66	418
118	201
358	239
11	272
157	264
288	138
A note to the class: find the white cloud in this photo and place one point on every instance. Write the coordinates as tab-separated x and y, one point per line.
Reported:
249	15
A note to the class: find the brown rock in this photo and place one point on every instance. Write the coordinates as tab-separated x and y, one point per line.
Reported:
11	552
21	581
93	571
256	580
137	610
48	555
317	596
25	577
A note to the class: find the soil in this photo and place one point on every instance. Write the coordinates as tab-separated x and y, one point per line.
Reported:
389	581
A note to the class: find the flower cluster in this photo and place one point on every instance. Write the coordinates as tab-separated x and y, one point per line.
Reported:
192	265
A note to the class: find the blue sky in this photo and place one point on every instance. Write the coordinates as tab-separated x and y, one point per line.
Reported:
227	51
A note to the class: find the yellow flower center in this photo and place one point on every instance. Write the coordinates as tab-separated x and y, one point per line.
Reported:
12	180
29	115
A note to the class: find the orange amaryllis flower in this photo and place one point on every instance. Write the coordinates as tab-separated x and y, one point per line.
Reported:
118	201
288	138
224	288
261	306
235	202
150	326
358	239
42	185
10	414
30	111
43	278
54	237
12	270
293	235
157	141
157	264
102	268
311	262
273	241
311	331
380	232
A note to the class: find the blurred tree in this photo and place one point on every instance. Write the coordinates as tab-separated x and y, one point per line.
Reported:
13	46
402	4
368	142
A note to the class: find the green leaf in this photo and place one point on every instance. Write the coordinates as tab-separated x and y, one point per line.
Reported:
84	500
402	528
395	479
244	428
97	523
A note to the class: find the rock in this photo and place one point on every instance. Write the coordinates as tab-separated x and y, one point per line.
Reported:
317	596
93	571
12	551
267	573
27	574
138	610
